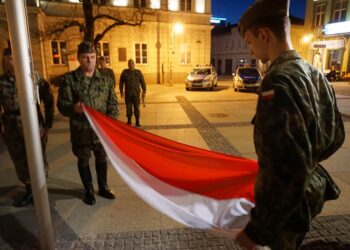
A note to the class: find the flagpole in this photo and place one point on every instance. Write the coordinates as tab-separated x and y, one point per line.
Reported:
19	36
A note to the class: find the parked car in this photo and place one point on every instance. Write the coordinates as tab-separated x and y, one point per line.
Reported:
247	78
202	77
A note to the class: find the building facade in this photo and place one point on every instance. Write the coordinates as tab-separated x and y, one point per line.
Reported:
327	24
173	37
229	49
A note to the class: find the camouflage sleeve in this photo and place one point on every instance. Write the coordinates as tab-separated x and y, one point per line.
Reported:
112	105
121	83
65	99
284	155
143	84
46	96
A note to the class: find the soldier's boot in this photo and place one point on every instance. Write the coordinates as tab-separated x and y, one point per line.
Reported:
27	197
86	179
101	172
138	121
129	120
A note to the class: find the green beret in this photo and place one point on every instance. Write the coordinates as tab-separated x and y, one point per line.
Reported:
86	47
7	52
260	10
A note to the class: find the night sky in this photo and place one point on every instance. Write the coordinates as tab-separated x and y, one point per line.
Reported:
233	9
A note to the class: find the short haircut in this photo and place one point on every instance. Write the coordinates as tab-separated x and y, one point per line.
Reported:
279	25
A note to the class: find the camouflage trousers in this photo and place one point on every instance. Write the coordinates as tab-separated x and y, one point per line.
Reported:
17	150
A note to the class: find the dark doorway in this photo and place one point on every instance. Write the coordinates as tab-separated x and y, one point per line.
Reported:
228	66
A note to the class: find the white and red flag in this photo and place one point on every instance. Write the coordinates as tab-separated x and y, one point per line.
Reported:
196	187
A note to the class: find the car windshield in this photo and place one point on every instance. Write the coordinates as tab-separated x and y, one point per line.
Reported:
248	72
201	72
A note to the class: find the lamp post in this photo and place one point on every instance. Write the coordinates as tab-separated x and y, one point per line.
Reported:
174	28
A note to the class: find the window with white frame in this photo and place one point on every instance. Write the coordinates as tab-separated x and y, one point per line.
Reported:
140	3
186	5
141	55
320	13
103	50
59	53
200	6
339	13
155	4
185	54
120	2
173	5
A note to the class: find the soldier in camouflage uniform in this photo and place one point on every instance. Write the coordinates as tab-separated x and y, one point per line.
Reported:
104	69
297	125
11	122
132	79
86	85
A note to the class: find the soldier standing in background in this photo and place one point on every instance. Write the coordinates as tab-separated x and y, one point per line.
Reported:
103	68
297	125
11	122
86	85
133	80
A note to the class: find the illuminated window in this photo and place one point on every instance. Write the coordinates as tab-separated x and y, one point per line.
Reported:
140	53
185	54
339	13
120	2
74	1
320	13
103	50
140	3
173	5
155	4
59	53
186	5
200	6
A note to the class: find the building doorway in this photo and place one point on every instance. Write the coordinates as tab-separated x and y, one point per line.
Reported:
228	66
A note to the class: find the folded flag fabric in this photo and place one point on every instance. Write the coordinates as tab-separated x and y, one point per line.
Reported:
196	187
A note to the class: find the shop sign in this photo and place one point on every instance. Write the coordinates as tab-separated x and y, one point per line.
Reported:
336	28
329	44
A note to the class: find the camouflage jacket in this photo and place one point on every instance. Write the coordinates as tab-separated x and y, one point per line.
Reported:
133	80
9	104
297	125
96	92
108	72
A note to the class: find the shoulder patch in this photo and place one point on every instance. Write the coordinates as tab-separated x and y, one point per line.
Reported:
268	94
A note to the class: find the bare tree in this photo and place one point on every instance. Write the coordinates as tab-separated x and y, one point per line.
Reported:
103	13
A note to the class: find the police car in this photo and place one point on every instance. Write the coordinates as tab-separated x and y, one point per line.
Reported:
202	77
247	78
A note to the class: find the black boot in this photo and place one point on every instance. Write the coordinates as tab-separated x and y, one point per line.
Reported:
85	175
129	120
101	172
27	197
138	121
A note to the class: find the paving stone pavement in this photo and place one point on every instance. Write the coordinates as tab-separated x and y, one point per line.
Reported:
327	233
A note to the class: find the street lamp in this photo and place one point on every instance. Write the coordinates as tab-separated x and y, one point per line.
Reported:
174	28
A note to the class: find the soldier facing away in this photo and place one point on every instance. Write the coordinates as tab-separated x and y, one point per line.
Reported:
86	85
297	125
133	81
11	122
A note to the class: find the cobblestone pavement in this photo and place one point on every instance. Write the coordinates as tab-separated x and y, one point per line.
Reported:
327	233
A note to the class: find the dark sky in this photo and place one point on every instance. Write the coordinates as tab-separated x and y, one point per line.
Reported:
233	9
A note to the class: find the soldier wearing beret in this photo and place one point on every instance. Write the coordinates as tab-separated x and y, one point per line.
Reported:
12	125
297	125
87	85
